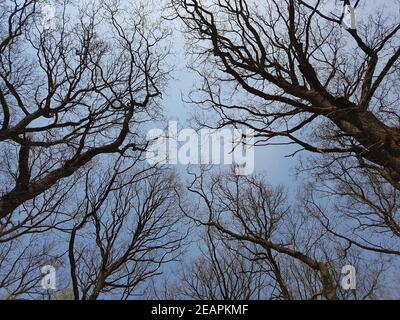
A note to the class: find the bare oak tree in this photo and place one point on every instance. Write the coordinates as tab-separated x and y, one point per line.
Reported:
290	71
302	257
71	93
125	229
356	205
222	272
21	262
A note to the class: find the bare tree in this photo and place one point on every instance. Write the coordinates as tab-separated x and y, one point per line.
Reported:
361	208
21	262
42	214
222	273
126	228
288	70
75	92
302	258
75	99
